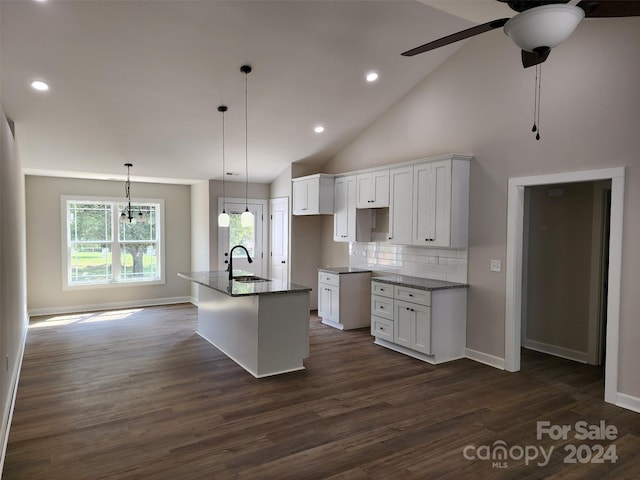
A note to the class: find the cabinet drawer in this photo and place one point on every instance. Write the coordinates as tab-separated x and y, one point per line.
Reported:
382	307
382	328
329	278
422	297
382	289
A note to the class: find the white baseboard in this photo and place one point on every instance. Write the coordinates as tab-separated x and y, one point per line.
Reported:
109	306
6	422
485	358
627	401
562	352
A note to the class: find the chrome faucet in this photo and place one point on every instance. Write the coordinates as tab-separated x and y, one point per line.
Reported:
230	267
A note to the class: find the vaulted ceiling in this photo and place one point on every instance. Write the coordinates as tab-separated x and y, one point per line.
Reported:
140	81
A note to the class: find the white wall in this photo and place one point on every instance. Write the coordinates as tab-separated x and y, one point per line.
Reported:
13	275
200	220
480	102
44	245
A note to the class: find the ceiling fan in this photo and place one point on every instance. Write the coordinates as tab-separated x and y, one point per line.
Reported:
540	25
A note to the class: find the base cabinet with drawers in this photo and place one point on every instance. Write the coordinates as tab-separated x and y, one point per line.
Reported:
427	325
343	298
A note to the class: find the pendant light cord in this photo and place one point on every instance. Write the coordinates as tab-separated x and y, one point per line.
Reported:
223	109
246	141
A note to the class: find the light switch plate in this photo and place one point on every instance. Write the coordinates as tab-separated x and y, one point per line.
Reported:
496	266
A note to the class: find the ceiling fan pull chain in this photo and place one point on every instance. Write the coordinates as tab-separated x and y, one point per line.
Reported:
535	102
539	79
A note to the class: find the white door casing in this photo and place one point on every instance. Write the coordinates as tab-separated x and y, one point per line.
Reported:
256	244
514	266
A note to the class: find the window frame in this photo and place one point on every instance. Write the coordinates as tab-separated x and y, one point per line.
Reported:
115	242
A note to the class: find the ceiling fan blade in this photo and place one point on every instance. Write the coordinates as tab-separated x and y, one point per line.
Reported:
610	8
529	59
456	37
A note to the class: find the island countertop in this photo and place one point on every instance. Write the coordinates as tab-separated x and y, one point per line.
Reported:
219	280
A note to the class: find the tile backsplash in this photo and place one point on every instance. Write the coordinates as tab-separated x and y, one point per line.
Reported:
439	264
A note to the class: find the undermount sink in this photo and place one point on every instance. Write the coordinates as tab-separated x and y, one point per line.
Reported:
250	279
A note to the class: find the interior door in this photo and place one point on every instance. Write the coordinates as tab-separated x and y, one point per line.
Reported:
249	237
279	228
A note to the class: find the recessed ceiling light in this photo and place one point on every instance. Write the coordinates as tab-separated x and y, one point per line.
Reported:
39	85
41	1
319	129
372	76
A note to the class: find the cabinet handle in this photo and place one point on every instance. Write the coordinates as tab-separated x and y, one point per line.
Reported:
411	294
282	261
381	308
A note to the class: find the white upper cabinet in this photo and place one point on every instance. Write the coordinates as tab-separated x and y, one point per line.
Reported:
349	224
313	195
373	189
344	219
401	205
441	203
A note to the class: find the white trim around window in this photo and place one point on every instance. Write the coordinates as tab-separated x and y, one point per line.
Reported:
112	238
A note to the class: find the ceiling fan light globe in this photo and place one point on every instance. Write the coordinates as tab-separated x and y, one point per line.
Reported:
544	26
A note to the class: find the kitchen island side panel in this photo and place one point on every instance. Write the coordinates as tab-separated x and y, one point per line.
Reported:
283	339
231	325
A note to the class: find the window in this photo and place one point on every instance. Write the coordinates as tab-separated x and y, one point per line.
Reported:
101	250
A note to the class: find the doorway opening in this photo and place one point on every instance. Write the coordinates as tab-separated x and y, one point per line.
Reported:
515	267
565	265
253	238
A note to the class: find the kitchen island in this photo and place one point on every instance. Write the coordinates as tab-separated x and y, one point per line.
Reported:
262	325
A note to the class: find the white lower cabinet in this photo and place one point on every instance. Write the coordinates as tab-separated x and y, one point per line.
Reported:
427	325
343	299
412	326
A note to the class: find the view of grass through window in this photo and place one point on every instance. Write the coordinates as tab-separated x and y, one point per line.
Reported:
98	256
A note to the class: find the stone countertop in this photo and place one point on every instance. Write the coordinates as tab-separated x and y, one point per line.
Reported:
418	282
343	270
219	280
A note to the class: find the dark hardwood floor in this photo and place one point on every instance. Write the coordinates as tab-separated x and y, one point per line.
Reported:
137	394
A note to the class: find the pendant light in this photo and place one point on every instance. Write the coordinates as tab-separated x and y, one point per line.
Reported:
223	218
127	214
246	219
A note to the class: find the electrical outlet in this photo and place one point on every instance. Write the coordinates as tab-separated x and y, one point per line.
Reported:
495	266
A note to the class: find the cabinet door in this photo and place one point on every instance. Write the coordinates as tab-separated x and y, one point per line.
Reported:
300	198
379	189
401	205
412	326
432	204
373	189
363	190
442	178
306	197
421	329
344	219
329	302
403	321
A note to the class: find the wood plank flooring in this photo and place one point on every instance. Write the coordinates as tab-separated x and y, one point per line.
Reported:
137	394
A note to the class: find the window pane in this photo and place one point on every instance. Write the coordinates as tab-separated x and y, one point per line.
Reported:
138	261
90	222
239	235
90	263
